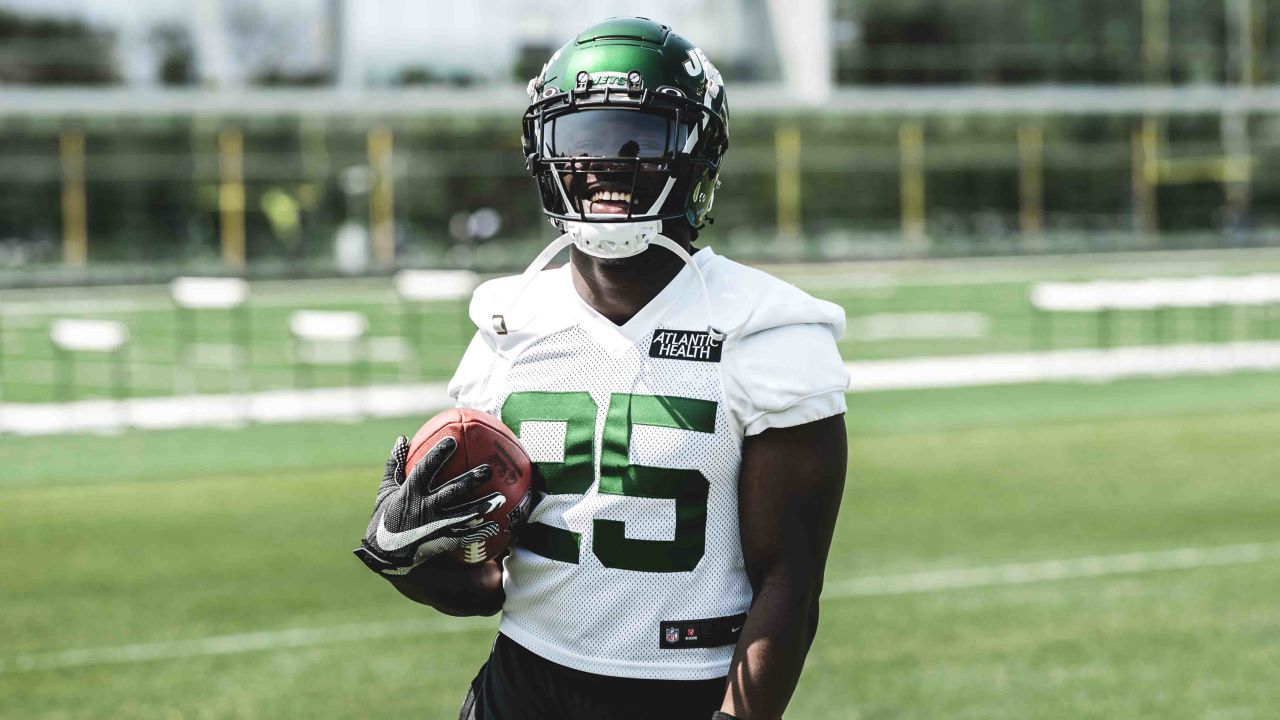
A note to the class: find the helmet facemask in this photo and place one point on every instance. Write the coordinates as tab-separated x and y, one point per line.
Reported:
613	164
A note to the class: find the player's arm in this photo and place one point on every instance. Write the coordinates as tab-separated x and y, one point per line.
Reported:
789	492
464	591
413	522
473	590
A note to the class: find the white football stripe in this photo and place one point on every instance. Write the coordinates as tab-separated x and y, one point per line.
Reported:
863	587
1051	570
239	643
1054	366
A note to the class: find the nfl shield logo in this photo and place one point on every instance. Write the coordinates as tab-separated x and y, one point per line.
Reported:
672	635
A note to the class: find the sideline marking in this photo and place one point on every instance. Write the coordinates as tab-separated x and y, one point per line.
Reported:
227	410
859	587
1051	570
238	643
1087	365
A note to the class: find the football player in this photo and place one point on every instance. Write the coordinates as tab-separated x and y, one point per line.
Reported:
685	414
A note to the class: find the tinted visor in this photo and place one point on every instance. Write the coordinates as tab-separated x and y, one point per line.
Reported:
611	133
613	164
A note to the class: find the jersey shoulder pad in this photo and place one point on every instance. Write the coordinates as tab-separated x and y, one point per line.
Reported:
782	366
533	312
746	301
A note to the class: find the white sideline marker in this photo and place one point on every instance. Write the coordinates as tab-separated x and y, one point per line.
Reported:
863	587
1052	570
89	335
264	406
1154	293
328	325
919	326
232	644
1057	366
209	293
426	285
328	336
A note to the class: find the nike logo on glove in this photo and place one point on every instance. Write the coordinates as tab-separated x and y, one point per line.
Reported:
392	541
388	540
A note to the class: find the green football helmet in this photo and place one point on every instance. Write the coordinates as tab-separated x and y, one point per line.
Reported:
625	130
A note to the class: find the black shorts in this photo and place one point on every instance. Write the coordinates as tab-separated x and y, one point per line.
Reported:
516	684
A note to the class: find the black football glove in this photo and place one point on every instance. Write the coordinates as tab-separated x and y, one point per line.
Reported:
412	524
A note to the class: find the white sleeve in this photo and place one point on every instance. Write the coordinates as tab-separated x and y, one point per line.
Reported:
473	370
786	376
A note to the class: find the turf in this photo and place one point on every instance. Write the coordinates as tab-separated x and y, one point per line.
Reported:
150	537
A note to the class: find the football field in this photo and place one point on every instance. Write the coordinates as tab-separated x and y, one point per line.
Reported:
247	245
1001	553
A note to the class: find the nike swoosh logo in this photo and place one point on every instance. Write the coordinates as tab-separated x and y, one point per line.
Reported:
495	502
388	540
734	630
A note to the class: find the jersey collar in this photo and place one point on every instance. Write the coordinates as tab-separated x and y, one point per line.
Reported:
619	338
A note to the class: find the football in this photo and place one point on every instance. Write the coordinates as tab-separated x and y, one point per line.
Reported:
482	439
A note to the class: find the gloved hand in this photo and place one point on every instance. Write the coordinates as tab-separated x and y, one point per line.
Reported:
412	524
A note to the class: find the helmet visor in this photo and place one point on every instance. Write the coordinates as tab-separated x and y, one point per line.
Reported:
610	133
611	163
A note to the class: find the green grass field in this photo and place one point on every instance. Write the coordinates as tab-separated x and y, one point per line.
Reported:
141	541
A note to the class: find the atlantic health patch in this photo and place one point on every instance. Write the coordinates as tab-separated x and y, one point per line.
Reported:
685	345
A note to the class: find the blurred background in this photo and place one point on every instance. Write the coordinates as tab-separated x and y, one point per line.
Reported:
237	240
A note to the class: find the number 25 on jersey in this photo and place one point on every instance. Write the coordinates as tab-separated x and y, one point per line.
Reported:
575	475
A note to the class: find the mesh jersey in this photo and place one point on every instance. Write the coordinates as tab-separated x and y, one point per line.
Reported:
637	431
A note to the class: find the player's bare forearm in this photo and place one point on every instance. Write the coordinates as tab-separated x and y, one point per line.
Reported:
454	591
790	488
772	648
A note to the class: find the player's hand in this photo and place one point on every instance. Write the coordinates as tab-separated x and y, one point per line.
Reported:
412	524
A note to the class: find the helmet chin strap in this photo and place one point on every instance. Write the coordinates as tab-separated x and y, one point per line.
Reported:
587	240
673	246
612	240
499	321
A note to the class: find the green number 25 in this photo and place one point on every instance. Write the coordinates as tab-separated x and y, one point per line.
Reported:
578	411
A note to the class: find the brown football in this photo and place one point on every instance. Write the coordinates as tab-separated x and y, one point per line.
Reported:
482	439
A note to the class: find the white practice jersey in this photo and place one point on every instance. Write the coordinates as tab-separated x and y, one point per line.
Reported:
631	564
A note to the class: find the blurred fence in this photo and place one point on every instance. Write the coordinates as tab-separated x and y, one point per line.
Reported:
219	351
202	337
127	184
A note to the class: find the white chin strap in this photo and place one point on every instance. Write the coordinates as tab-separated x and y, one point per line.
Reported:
612	240
605	240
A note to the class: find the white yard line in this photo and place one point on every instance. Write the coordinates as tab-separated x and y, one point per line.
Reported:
1063	366
239	643
863	587
1051	570
183	411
